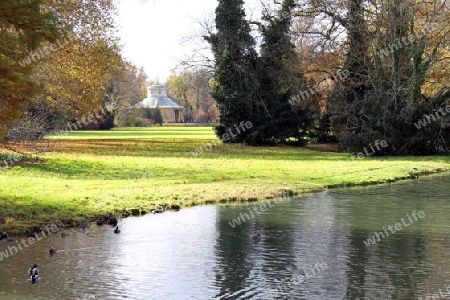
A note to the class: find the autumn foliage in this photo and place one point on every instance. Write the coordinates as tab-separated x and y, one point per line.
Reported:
64	56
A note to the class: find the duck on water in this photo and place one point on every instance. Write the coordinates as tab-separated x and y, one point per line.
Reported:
256	237
34	274
52	250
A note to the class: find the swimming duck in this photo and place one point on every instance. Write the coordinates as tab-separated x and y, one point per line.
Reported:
256	237
117	230
52	250
63	235
34	274
125	214
157	211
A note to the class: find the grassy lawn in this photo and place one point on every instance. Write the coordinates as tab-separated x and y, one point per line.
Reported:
91	173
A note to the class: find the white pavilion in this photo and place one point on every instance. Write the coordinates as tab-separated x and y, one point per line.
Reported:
157	98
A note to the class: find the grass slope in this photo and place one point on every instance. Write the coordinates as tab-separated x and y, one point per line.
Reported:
91	173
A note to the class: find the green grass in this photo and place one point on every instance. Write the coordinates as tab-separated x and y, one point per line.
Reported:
91	173
143	133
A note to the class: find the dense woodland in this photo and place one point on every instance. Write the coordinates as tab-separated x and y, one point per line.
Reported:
61	63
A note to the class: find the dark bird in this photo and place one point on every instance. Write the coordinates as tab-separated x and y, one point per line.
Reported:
125	214
117	230
63	235
256	237
34	274
29	234
112	221
414	174
52	250
175	207
3	235
157	211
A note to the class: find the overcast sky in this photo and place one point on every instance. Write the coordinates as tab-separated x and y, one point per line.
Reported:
152	31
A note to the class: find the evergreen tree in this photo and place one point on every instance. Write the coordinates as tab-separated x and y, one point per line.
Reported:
347	104
279	121
157	116
148	113
235	83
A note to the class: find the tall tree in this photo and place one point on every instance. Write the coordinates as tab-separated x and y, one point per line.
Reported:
348	104
279	81
23	26
235	82
71	74
86	63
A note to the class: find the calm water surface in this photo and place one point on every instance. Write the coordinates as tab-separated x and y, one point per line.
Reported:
311	248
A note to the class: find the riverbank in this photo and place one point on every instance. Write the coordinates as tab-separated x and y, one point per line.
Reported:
88	174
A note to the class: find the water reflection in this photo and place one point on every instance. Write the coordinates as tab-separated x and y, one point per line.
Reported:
196	254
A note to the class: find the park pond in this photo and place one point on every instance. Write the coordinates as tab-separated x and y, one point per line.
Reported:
377	242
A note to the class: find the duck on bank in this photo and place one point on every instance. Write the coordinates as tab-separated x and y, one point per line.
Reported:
30	234
3	236
125	213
